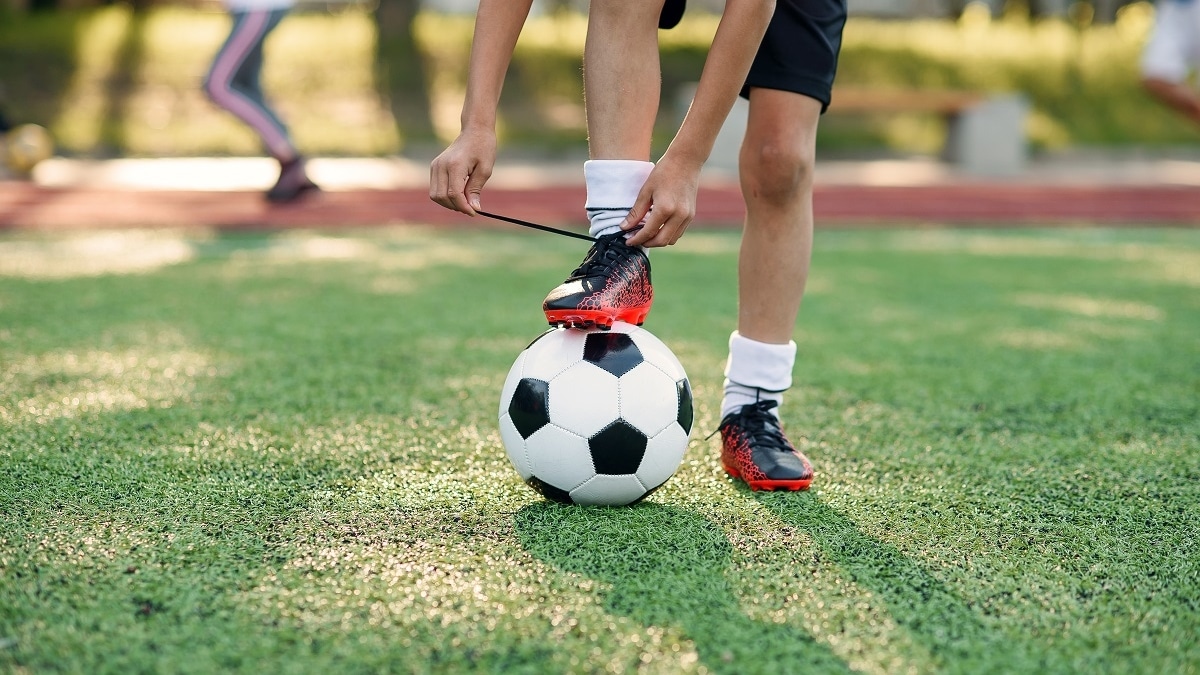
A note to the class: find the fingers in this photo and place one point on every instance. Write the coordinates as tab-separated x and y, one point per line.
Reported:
457	184
633	220
455	189
663	224
440	190
654	236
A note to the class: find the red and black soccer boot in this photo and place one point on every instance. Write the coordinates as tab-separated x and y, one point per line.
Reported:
611	284
754	449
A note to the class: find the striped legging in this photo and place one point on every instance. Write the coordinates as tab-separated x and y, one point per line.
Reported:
233	79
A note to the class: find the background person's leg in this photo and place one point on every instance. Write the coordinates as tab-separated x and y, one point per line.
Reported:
234	83
233	80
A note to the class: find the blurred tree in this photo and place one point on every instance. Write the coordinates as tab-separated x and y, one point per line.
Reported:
400	69
1105	11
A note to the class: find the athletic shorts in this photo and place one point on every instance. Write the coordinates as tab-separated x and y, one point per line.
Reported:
800	50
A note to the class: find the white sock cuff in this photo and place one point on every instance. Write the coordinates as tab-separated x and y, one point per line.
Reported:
614	183
760	364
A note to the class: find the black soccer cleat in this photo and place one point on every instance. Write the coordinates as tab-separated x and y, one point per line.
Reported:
754	449
611	284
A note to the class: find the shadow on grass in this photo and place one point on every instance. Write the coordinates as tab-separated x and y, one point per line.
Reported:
953	632
668	568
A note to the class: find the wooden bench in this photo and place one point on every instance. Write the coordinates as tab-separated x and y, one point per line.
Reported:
985	132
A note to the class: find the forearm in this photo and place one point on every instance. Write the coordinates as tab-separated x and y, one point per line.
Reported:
1179	96
497	26
734	45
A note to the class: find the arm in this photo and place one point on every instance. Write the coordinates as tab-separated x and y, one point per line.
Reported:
672	186
1177	95
457	175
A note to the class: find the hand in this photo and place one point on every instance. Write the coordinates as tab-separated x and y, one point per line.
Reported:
457	176
667	202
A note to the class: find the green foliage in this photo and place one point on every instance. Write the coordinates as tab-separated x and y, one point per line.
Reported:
1082	83
109	81
278	453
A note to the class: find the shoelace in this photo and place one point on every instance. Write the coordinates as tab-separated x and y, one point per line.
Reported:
605	253
760	424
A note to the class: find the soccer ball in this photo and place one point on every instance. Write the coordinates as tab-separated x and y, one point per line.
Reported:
24	146
596	417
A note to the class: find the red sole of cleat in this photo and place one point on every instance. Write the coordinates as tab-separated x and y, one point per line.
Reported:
587	319
771	485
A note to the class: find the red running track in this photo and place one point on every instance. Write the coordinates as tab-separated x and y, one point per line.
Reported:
26	205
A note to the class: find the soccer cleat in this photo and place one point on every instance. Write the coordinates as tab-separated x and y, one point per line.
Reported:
754	449
611	284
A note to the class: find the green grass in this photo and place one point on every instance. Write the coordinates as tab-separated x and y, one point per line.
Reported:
278	453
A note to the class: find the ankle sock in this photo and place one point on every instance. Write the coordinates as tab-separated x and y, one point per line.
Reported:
612	187
756	371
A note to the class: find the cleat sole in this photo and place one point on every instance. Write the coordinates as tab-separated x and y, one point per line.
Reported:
580	325
769	485
589	319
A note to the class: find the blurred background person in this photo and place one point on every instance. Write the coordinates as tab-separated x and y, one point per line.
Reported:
234	83
1172	54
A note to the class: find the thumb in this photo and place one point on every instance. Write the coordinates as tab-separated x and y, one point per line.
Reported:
637	212
474	189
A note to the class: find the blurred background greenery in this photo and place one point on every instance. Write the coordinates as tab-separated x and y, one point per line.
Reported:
355	79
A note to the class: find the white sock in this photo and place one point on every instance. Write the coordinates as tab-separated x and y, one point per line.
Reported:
756	371
612	187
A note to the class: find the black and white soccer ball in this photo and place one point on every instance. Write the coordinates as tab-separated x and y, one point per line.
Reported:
596	417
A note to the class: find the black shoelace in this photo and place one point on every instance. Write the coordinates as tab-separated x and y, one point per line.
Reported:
757	421
607	252
535	226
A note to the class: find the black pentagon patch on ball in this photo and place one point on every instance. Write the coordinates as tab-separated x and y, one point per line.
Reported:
529	408
683	389
615	352
549	491
617	449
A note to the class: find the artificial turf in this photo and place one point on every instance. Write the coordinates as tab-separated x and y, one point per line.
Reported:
278	452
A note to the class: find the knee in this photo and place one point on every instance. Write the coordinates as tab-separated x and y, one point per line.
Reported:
211	87
776	172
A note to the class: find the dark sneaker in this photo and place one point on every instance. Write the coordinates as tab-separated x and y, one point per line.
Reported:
611	284
754	449
671	13
293	183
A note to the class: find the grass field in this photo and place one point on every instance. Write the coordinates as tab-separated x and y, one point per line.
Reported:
278	453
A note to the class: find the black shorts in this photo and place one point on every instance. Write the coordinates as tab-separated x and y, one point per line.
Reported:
799	53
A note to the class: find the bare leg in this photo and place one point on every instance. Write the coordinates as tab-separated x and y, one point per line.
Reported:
622	77
776	167
622	81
